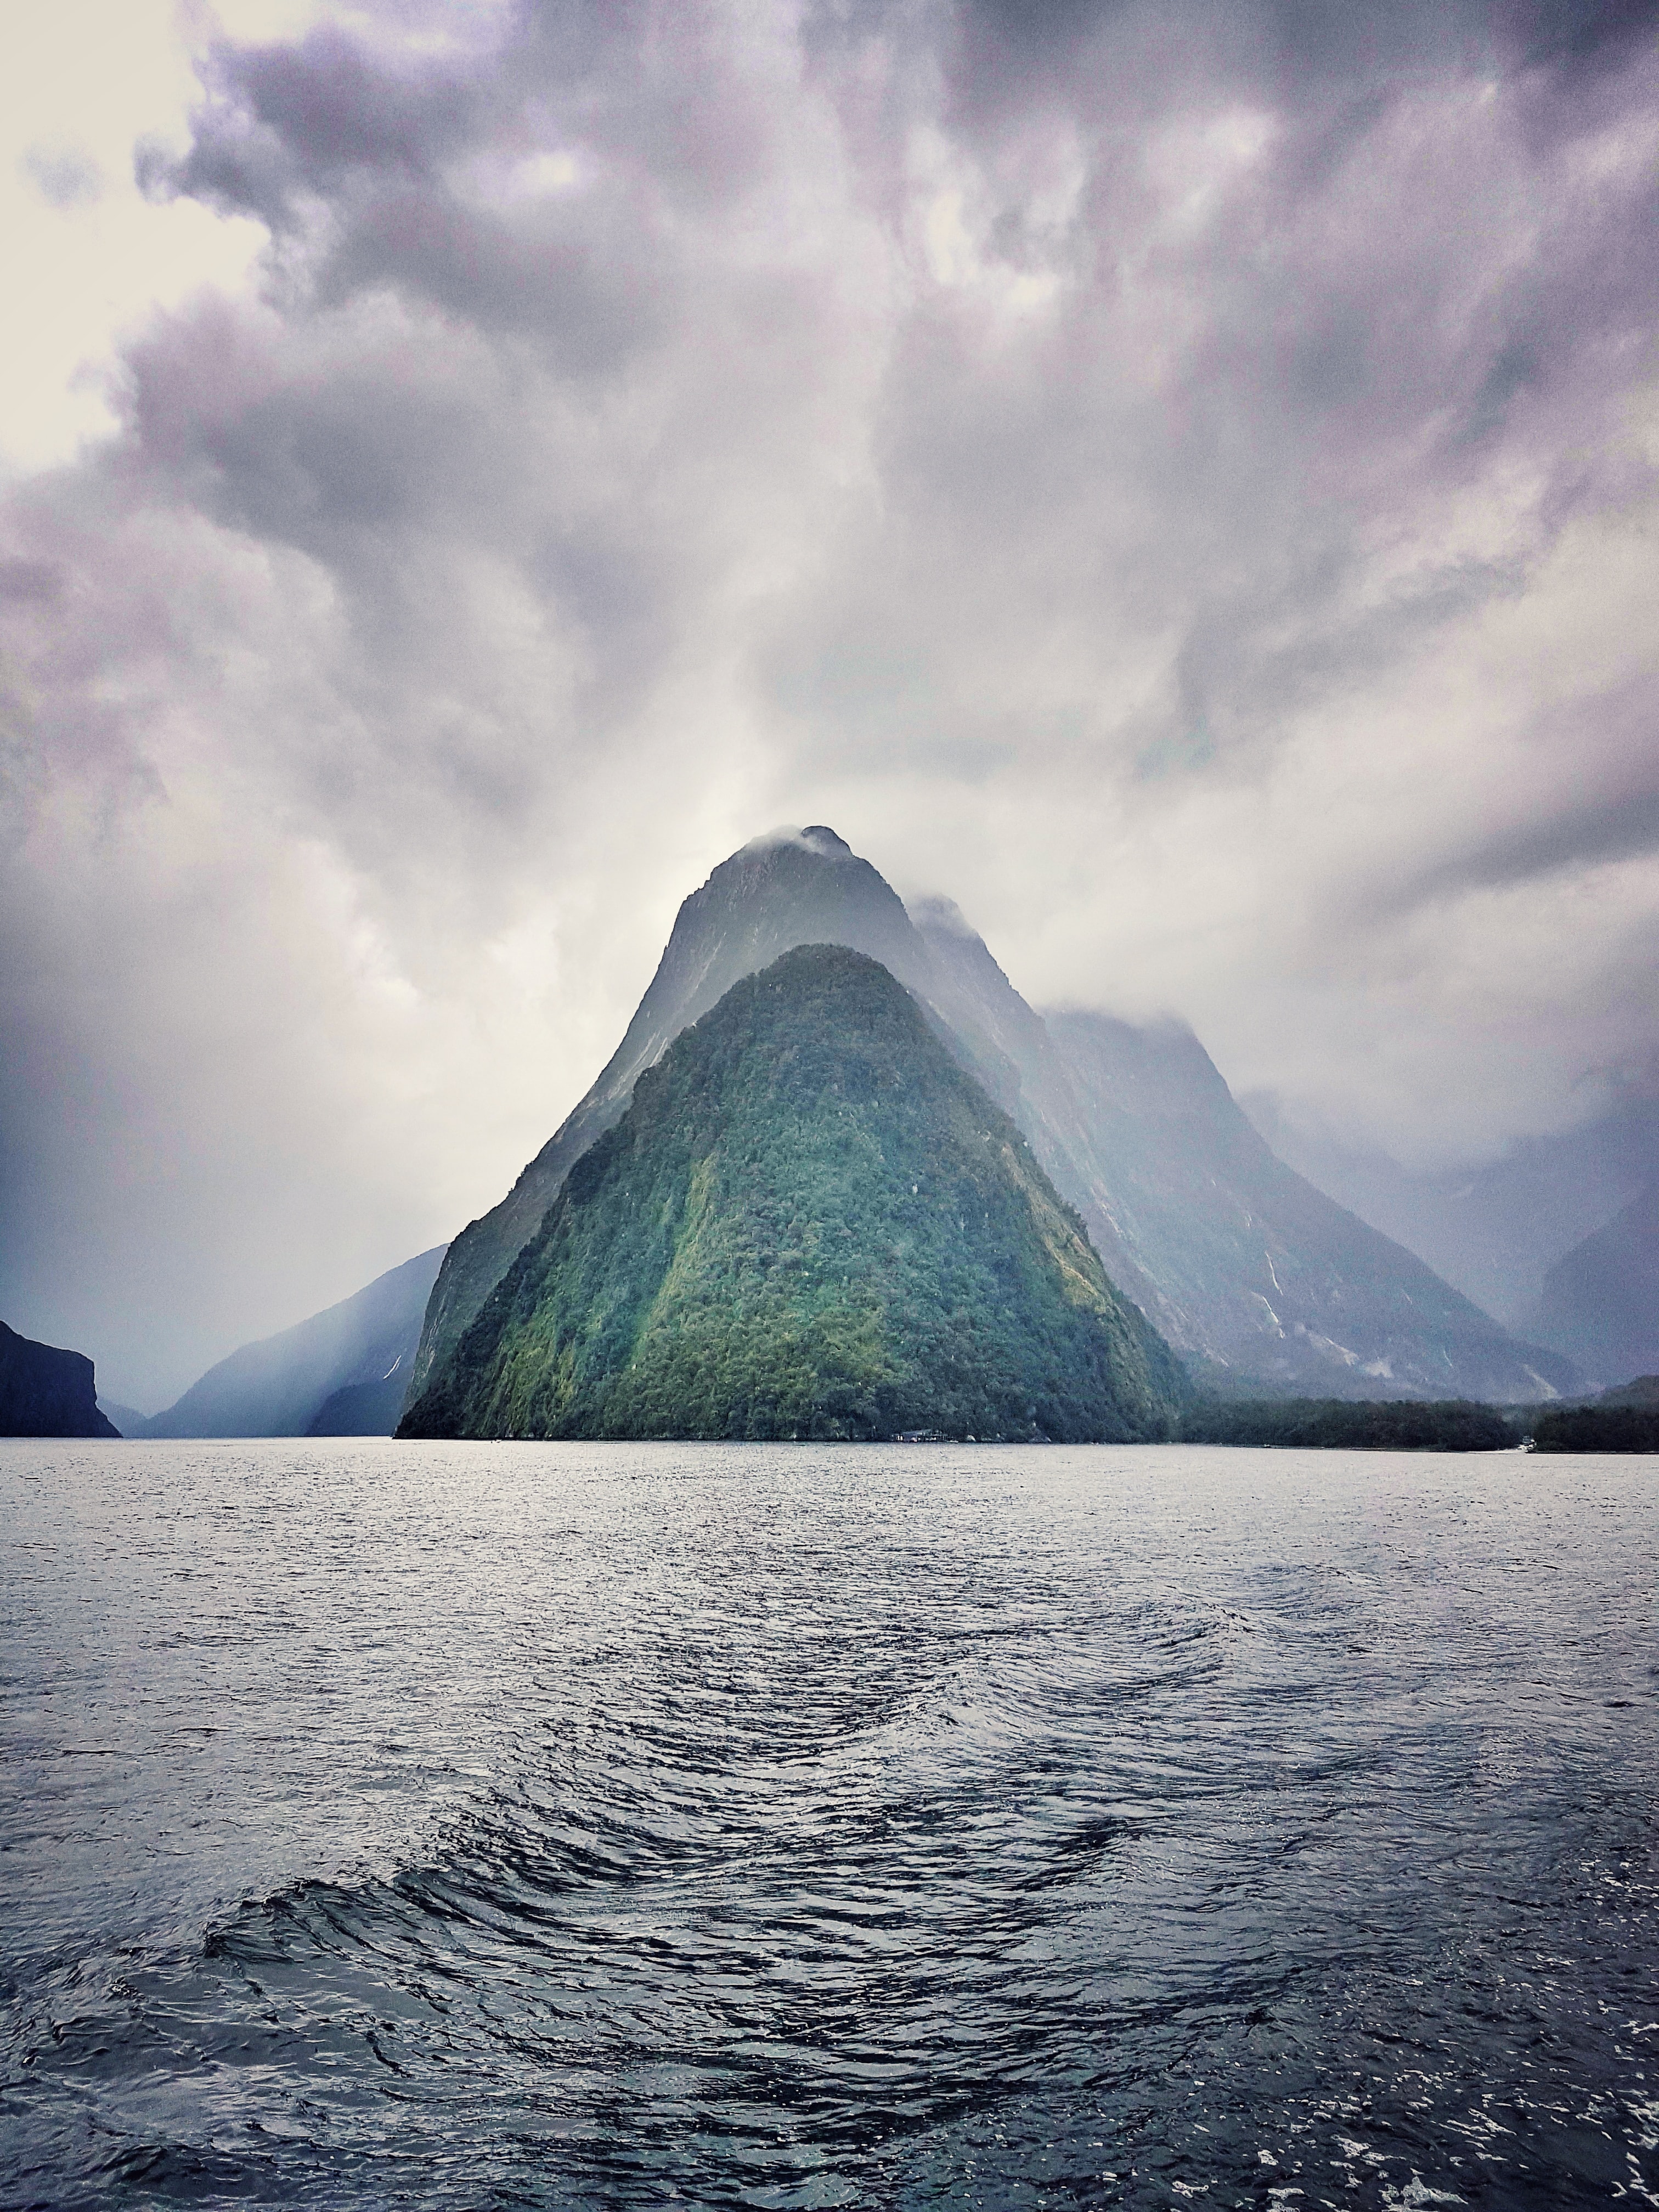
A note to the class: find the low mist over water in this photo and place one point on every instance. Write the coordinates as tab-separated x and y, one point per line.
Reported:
582	1825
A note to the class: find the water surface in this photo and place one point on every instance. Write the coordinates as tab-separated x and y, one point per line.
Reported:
567	1825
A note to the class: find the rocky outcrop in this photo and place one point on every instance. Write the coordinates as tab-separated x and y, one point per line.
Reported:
44	1391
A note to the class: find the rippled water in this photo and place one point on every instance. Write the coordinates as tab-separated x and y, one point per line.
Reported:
565	1826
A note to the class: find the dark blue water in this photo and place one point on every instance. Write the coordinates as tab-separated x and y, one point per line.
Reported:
555	1825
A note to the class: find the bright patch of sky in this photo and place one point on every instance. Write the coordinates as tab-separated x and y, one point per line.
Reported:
86	256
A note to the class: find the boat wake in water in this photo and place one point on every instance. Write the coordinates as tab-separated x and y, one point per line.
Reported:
620	1826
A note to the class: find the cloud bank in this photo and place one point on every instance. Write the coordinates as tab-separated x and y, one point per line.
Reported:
1179	481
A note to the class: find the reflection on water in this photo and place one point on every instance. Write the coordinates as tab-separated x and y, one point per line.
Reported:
568	1825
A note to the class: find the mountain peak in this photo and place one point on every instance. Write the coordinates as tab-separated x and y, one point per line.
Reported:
790	887
1238	1261
818	837
935	911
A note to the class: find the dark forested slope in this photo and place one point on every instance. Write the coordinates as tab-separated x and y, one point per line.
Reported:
811	1222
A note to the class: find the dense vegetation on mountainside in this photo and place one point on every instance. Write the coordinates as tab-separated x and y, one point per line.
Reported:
795	887
810	1223
1596	1429
1449	1425
1352	1425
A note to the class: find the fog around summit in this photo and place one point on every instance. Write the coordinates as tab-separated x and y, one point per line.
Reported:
1179	481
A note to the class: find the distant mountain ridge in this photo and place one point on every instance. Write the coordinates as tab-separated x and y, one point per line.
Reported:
1641	1390
1494	1230
1249	1268
128	1421
811	1222
1252	1274
1601	1300
341	1372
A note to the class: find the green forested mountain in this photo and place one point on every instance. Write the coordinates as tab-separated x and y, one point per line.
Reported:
811	1222
794	887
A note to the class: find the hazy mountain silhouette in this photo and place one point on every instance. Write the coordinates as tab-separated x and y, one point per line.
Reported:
127	1419
1494	1230
1640	1390
1250	1271
342	1372
1600	1301
44	1391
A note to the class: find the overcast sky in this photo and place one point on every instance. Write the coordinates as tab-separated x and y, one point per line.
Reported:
1179	478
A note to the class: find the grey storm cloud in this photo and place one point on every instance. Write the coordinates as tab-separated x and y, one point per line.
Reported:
1179	479
64	176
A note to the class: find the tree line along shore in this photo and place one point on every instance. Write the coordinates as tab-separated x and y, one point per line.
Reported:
1454	1424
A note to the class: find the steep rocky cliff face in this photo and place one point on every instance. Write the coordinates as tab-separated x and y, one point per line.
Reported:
44	1391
